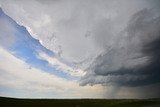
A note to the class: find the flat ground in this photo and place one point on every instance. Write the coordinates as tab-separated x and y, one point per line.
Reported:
10	102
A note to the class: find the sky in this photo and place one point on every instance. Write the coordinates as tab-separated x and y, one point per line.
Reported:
80	49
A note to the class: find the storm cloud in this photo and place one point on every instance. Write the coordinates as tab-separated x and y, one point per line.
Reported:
134	58
113	43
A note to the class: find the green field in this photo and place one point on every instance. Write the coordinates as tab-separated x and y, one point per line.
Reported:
10	102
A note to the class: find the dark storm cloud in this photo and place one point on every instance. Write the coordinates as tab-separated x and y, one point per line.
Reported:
134	59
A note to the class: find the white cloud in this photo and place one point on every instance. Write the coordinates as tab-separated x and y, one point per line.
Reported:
16	74
33	83
61	65
62	26
90	34
70	21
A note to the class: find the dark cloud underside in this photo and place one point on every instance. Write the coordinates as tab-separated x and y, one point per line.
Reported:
121	65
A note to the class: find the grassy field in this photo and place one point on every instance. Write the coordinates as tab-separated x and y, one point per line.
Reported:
10	102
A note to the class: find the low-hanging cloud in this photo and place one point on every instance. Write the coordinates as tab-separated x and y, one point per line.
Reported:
115	42
133	59
19	76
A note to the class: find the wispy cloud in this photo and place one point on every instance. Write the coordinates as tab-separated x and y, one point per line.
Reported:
16	74
19	42
115	42
58	64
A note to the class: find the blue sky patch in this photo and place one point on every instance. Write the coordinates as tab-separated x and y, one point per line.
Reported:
26	47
